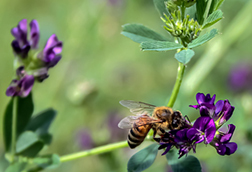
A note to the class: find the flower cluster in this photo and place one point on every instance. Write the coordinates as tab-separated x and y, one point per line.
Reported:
207	128
179	25
31	64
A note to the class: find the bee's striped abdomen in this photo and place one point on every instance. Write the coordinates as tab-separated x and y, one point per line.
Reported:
136	135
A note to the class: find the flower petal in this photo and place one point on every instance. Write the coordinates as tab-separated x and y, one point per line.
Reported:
231	147
221	149
34	34
225	138
200	97
201	123
167	149
27	83
20	32
219	106
210	131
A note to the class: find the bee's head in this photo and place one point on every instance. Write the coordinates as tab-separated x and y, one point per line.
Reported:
177	120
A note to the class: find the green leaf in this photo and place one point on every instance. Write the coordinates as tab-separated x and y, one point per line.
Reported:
218	4
201	7
215	5
213	18
28	144
24	112
159	46
16	167
41	122
203	38
184	56
140	33
161	7
33	150
143	159
25	140
185	164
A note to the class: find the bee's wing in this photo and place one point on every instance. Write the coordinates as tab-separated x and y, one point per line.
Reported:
138	107
127	122
137	121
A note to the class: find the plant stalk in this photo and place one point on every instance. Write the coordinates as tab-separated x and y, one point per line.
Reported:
207	9
181	69
94	151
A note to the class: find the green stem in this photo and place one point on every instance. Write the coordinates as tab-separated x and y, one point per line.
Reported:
207	9
94	151
183	8
14	127
181	69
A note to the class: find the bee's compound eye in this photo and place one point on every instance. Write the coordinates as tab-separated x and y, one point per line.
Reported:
176	114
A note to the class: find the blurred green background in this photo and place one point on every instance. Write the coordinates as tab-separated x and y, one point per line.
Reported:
100	67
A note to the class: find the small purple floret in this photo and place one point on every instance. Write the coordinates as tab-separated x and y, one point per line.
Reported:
223	111
52	48
205	104
203	130
222	144
20	87
21	45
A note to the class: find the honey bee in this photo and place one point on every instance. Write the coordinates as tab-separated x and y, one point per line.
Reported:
163	118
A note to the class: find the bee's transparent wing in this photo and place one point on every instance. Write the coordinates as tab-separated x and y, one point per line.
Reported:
137	107
137	121
127	122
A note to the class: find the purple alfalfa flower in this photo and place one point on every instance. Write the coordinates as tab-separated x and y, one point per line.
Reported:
223	111
50	56
184	143
84	139
22	86
203	130
240	77
178	139
205	104
21	45
167	141
222	144
51	51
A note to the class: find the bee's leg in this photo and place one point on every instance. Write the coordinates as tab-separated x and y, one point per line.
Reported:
162	130
187	118
154	134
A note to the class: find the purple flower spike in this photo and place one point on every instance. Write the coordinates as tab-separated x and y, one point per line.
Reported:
34	34
203	130
222	144
20	87
205	104
52	48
